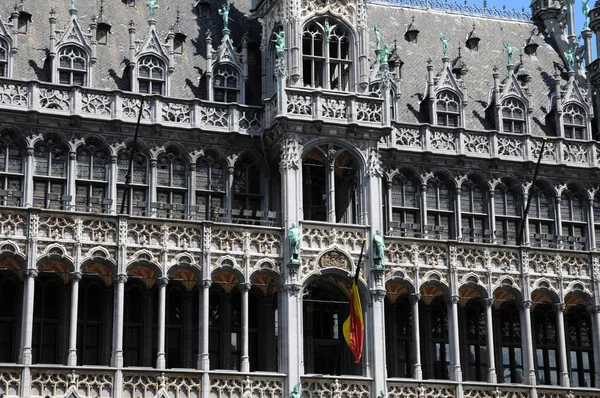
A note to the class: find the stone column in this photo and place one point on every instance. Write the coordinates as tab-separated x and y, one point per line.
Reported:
489	324
118	315
492	213
591	227
25	355
423	201
457	212
417	370
152	195
455	341
527	344
558	220
245	365
331	217
595	311
72	358
162	283
562	345
27	199
203	358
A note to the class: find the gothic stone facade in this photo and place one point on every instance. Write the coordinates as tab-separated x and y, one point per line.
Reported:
160	266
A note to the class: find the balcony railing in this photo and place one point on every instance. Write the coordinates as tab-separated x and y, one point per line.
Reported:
493	145
55	99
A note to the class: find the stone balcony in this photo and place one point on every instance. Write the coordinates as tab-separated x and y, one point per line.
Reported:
62	100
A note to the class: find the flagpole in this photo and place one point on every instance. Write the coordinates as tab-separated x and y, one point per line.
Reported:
526	211
131	154
362	249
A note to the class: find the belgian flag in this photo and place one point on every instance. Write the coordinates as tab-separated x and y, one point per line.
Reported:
354	325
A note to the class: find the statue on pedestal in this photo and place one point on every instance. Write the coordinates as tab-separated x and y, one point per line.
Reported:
294	243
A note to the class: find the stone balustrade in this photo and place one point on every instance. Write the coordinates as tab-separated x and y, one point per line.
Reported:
55	99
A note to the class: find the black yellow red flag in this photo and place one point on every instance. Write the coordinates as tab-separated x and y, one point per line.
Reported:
354	325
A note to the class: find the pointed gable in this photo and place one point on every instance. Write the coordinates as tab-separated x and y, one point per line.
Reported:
445	80
573	93
226	53
511	87
73	35
152	45
5	33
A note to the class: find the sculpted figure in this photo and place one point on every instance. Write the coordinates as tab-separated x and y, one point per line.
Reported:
378	247
509	52
294	242
279	42
224	12
153	6
445	43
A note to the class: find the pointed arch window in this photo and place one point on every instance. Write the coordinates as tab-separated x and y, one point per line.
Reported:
573	218
171	190
210	187
513	116
72	66
579	346
447	109
507	208
574	122
440	207
326	56
151	75
473	205
11	170
91	187
136	194
226	84
50	172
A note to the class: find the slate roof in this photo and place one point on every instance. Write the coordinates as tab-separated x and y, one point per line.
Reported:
393	20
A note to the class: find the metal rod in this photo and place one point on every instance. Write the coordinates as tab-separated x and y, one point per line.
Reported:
131	154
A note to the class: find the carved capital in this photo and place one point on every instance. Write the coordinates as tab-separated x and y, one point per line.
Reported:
245	286
206	284
453	299
414	297
120	278
378	294
560	307
161	282
525	304
489	302
31	273
76	276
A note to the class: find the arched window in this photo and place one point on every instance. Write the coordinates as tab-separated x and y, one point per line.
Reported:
440	207
151	75
140	323
171	190
314	187
91	188
545	342
247	190
579	346
507	209
573	218
225	320
47	316
262	323
210	187
226	84
440	353
72	66
476	345
9	312
91	319
136	194
541	216
50	172
4	54
513	116
405	203
398	337
510	340
326	56
574	122
447	109
11	170
174	328
473	206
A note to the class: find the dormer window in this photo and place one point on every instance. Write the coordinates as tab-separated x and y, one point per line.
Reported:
574	122
23	22
3	59
151	75
447	109
513	116
326	61
72	66
226	84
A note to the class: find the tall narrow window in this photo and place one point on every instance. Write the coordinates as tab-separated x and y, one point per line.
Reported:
4	54
510	340
398	337
439	339
506	206
90	321
405	199
574	225
541	217
546	350
11	170
210	187
447	109
226	84
579	344
513	116
175	325
171	190
574	122
8	316
133	323
247	185
476	349
440	207
50	172
136	193
326	56
47	313
314	187
596	207
473	205
151	75
72	66
91	188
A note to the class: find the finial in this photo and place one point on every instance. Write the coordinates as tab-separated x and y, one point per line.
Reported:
101	7
177	18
